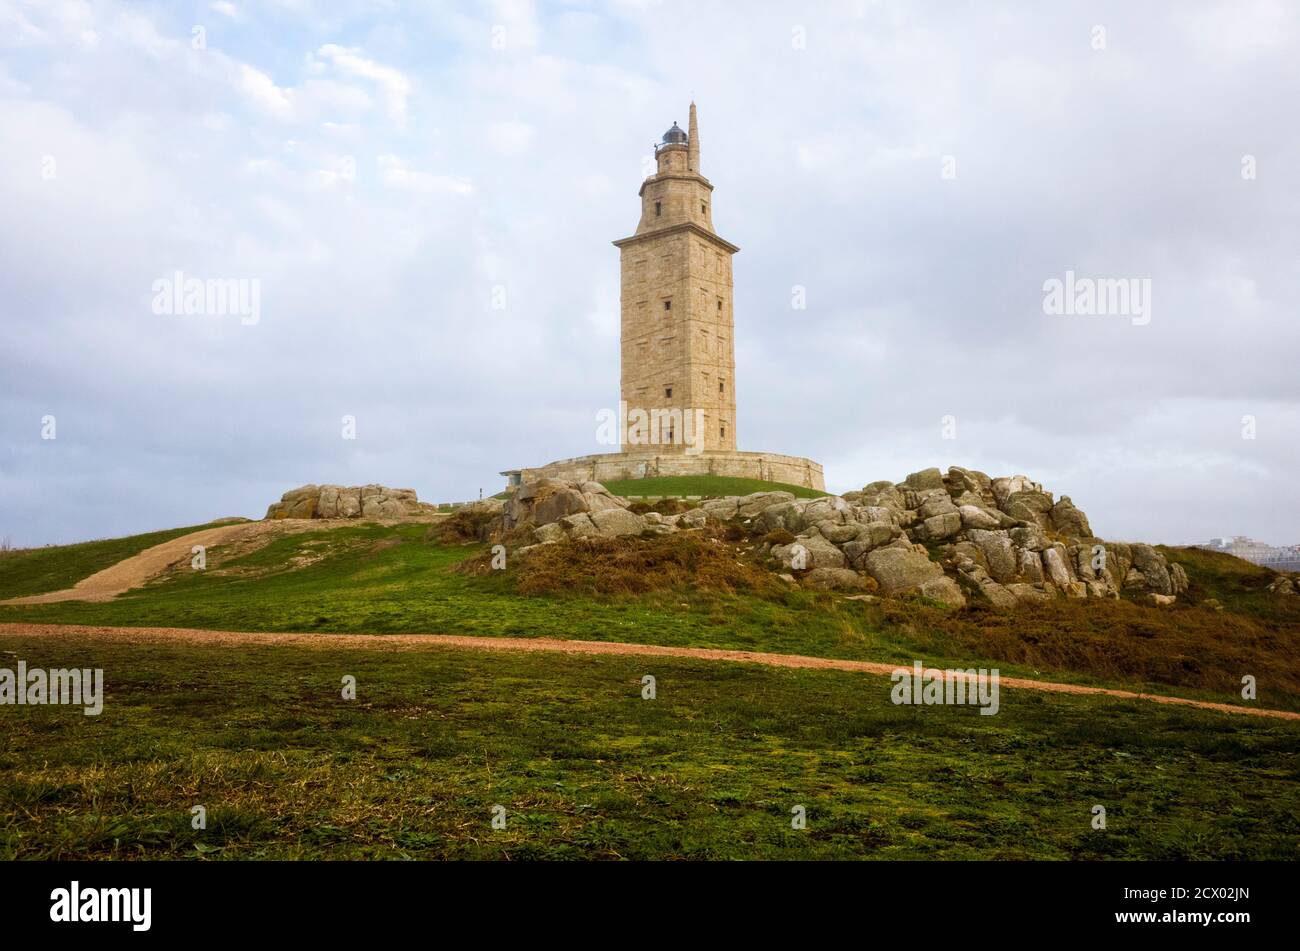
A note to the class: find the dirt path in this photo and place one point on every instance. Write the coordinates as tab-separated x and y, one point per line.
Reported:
135	571
458	642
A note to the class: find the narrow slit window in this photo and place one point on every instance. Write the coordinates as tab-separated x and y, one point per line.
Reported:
668	392
659	209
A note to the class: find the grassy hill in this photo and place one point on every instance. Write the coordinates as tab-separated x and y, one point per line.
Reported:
25	571
704	486
683	591
584	767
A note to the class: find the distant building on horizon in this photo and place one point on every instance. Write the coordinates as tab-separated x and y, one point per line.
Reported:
1285	558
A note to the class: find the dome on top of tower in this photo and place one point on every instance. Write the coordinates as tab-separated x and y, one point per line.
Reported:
674	135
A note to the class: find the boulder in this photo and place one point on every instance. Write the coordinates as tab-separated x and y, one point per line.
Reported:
884	494
1005	487
553	506
750	505
1054	567
551	500
832	509
869	537
944	590
721	509
1154	569
578	526
837	533
1101	589
1178	577
1281	586
897	570
782	515
938	527
611	523
998	596
977	580
821	553
970	551
1030	506
695	518
1068	520
337	501
817	553
940	503
1031	537
835	579
548	534
1029	564
1119	559
925	479
998	552
1030	593
961	480
973	516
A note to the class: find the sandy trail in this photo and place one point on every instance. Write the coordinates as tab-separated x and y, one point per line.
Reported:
147	635
138	569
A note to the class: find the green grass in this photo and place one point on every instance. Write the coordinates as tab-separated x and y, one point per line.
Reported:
385	579
28	571
374	579
1237	584
585	768
705	486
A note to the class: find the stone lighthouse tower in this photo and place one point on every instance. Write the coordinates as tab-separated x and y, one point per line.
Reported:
678	344
678	350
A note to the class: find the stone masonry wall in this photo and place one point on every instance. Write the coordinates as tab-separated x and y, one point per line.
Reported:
616	466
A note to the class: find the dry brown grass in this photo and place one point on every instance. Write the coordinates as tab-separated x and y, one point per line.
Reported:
663	506
460	528
1117	640
630	565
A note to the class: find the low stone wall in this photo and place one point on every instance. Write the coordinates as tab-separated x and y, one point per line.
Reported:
616	466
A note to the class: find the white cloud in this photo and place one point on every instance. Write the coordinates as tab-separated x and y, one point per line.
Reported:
263	91
510	137
924	294
398	173
393	84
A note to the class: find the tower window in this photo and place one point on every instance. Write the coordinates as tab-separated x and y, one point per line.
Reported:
704	209
668	305
659	209
721	386
722	427
719	304
668	392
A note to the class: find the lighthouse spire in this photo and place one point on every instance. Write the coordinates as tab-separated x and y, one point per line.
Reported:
693	143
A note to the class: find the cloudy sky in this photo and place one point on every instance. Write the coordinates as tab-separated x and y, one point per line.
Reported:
426	193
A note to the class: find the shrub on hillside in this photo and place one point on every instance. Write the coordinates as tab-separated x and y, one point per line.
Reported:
615	566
